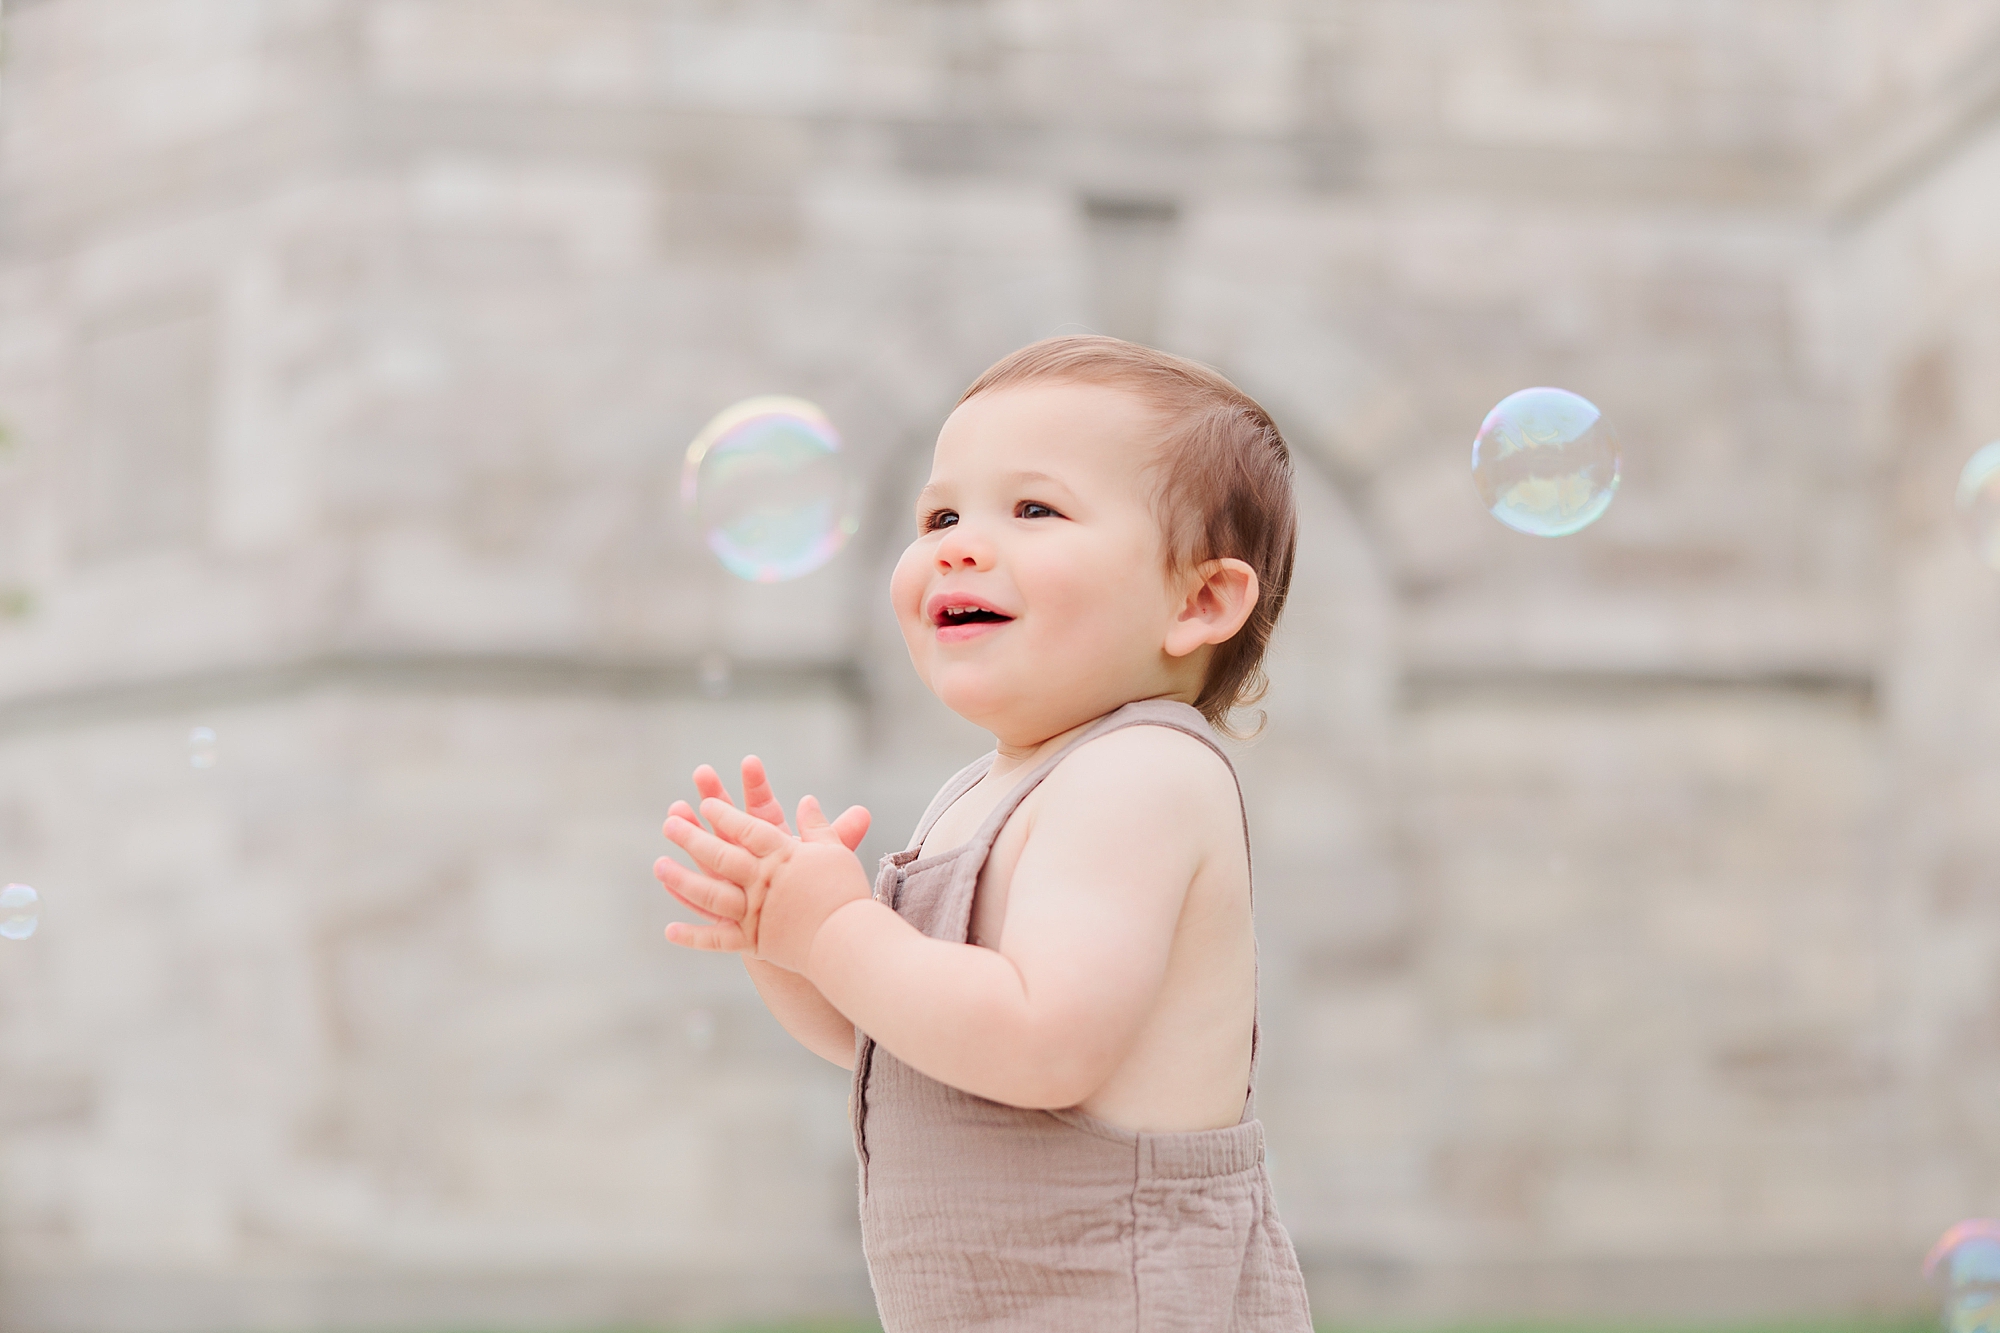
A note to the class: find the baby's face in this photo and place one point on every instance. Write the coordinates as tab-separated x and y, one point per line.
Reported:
1035	596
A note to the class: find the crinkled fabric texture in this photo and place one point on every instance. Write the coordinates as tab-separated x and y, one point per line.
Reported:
981	1216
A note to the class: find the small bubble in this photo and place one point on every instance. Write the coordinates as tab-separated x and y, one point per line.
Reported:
20	912
700	1029
766	483
1979	503
715	673
1546	462
201	748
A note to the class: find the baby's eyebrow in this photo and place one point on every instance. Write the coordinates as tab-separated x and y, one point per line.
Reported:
931	492
1037	476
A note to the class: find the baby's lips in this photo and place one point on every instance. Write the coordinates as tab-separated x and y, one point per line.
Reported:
939	603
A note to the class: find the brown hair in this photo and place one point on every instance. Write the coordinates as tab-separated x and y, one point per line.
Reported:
1225	487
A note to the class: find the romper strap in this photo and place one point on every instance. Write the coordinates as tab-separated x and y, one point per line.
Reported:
962	782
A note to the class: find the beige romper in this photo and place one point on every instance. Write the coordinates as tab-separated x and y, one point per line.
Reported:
977	1215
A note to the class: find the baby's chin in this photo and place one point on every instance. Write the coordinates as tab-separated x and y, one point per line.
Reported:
1025	711
979	701
992	701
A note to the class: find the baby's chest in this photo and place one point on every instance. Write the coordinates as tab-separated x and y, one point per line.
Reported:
996	879
959	825
960	821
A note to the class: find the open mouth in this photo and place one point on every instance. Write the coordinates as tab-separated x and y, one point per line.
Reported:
958	611
970	615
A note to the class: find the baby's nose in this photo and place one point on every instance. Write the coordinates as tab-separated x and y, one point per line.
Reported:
962	550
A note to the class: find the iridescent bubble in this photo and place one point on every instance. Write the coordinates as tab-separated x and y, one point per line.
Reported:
20	912
1979	502
1546	462
1968	1256
201	748
766	484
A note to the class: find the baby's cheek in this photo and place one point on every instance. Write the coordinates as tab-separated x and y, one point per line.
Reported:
906	589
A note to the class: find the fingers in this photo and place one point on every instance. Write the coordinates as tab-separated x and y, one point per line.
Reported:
707	916
811	818
852	825
714	939
750	835
812	822
708	784
714	899
758	799
724	859
850	828
761	803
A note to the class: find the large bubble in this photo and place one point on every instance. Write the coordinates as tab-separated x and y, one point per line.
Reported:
1546	462
767	486
1967	1257
1979	502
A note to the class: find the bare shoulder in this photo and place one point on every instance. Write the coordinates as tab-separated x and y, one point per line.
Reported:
1155	772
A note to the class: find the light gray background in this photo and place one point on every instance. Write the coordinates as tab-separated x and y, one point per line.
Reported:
1628	902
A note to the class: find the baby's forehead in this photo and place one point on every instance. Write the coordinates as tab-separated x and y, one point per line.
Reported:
1072	423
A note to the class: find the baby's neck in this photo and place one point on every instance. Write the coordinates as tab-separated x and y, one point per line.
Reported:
1011	757
1018	754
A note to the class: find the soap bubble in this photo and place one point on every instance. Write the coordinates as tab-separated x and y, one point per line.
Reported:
201	748
699	1024
1969	1256
1546	462
765	482
1979	502
20	912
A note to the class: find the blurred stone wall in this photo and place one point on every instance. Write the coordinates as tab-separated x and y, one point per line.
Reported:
1628	909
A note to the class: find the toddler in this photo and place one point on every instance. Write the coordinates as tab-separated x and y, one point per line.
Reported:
1049	1001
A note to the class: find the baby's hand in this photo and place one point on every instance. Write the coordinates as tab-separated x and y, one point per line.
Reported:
759	800
710	899
769	891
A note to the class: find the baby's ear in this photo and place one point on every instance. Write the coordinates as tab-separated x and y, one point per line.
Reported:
1220	595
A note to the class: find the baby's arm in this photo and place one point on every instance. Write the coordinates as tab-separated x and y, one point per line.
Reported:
795	1002
802	1011
1120	832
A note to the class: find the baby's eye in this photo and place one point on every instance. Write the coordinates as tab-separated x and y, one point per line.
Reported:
939	518
1034	509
